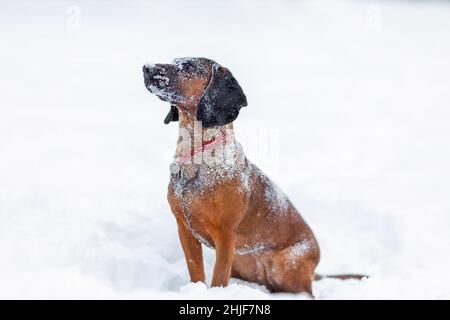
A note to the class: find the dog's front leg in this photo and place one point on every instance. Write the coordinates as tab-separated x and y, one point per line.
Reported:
224	243
192	252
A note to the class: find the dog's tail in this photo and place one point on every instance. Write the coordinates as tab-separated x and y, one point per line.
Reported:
340	276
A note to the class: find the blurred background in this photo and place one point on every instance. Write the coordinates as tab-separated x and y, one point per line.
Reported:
348	112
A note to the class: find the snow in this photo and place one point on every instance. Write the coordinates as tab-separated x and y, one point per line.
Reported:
299	249
250	250
348	114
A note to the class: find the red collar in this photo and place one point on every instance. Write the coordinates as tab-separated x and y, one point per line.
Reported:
205	146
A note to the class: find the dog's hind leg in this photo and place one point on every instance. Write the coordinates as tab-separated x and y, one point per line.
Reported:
292	269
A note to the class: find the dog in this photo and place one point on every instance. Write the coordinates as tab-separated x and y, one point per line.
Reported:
229	205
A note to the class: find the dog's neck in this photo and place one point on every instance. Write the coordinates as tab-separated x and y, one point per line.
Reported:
221	161
193	136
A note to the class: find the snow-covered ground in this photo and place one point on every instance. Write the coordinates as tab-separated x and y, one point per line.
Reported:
348	113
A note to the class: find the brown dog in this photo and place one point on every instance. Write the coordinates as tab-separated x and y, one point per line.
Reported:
221	199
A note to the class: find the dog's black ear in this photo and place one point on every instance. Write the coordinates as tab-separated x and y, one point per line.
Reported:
172	115
222	99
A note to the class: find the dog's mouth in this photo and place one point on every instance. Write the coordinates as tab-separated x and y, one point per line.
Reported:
163	94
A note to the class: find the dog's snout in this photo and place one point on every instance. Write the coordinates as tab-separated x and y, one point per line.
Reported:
147	69
150	70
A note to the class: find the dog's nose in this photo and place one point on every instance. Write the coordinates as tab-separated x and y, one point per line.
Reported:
147	69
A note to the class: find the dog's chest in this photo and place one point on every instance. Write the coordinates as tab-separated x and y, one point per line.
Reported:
194	180
195	190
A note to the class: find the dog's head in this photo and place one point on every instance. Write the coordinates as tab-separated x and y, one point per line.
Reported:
201	86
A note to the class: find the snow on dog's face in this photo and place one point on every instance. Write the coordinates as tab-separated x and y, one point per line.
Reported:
167	81
197	83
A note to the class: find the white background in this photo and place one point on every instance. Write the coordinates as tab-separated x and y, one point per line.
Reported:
348	112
